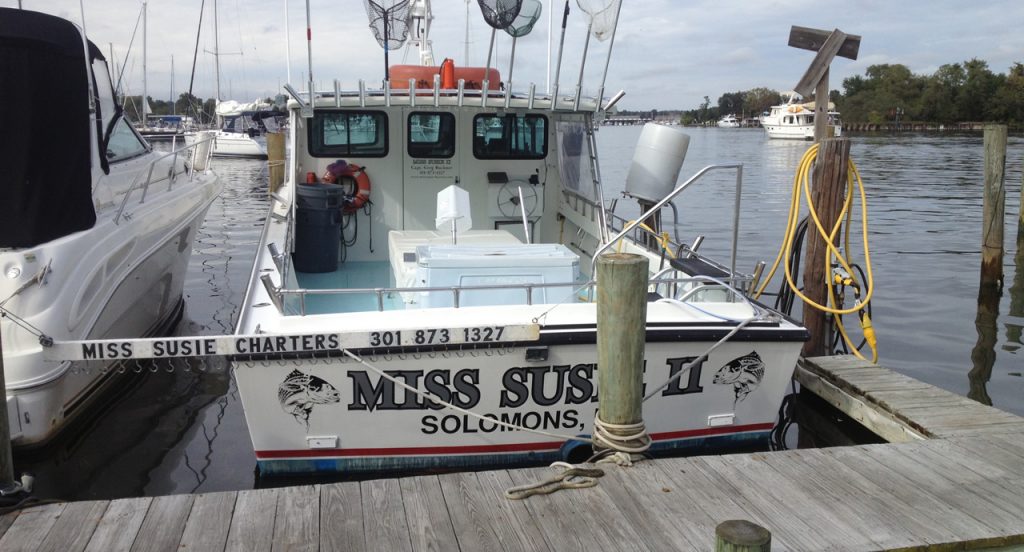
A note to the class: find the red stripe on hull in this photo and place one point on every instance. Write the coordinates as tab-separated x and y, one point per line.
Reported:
489	449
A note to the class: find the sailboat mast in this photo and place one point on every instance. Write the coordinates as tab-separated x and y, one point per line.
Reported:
173	110
216	66
287	44
145	100
216	54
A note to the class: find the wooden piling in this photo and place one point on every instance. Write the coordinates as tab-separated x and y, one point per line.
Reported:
621	323
994	206
827	193
275	159
740	535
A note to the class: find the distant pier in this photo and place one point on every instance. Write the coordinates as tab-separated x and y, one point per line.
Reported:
951	481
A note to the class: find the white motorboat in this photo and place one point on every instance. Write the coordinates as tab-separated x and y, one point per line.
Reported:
97	229
241	131
390	283
795	121
729	121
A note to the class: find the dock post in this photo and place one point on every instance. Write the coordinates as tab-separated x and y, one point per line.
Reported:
275	159
6	458
740	535
994	205
827	193
621	332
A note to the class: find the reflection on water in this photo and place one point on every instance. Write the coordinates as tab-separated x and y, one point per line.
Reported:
1015	323
983	355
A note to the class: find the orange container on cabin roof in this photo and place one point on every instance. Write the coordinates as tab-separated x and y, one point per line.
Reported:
424	75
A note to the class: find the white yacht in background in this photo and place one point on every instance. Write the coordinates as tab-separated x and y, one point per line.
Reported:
460	262
729	121
241	131
97	228
795	121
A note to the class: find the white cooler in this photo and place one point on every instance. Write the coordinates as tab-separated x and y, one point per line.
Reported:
477	265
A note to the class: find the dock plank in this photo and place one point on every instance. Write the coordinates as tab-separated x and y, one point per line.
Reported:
850	502
341	517
649	489
5	522
430	525
717	502
74	528
965	523
164	523
119	525
593	511
384	518
31	527
524	534
471	518
788	531
557	534
759	482
297	524
209	522
252	525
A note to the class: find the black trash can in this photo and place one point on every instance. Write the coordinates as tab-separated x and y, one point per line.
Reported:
317	227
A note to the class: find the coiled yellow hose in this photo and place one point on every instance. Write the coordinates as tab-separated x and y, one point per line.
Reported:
802	181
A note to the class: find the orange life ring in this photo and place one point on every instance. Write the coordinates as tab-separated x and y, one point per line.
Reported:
362	188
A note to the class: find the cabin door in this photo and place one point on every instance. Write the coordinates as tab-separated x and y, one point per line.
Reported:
430	162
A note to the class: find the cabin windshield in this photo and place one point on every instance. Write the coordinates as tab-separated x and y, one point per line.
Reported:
341	133
510	136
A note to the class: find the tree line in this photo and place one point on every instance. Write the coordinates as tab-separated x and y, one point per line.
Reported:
888	93
202	111
188	105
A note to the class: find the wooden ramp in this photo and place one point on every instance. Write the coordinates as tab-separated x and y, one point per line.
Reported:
960	489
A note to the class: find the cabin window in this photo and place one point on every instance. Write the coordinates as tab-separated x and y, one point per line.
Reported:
431	135
348	133
510	136
124	143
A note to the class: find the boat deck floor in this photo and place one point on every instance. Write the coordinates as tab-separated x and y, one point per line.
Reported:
350	275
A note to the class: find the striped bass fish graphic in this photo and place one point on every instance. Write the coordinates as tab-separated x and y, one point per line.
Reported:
300	392
744	374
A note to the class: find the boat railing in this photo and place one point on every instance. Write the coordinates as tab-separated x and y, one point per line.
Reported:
413	96
633	225
579	290
199	157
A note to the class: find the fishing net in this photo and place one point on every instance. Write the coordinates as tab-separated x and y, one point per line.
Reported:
528	16
602	16
499	14
389	20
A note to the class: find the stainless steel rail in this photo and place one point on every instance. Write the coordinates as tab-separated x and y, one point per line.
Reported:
657	206
171	173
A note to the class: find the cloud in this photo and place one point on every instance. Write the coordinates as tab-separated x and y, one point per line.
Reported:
667	55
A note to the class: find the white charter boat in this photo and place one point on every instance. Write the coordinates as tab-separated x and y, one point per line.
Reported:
97	229
481	299
795	121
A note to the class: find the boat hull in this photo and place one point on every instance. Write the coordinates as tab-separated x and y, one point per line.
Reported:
114	280
337	415
230	144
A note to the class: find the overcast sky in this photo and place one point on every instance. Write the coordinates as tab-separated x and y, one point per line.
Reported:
668	54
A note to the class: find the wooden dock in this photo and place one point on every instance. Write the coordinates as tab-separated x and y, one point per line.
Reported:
954	482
